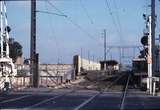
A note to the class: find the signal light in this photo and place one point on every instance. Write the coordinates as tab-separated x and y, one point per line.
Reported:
8	29
144	40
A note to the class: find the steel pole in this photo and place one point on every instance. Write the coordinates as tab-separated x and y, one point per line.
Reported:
153	25
1	29
149	57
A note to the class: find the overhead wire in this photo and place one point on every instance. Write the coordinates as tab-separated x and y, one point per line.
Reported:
118	18
110	12
52	5
47	12
86	12
74	23
52	32
112	17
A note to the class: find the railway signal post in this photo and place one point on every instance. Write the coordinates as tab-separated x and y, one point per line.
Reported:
149	56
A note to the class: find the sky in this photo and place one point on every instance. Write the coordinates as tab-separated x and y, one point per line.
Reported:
59	38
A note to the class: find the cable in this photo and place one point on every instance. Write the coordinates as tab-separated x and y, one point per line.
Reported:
52	32
51	4
112	17
86	12
47	12
110	12
118	19
74	23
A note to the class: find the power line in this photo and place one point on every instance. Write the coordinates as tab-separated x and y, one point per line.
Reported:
52	32
51	4
86	12
105	46
47	12
112	17
110	12
118	18
74	23
119	30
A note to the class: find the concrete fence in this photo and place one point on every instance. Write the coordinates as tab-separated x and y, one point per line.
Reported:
49	75
81	64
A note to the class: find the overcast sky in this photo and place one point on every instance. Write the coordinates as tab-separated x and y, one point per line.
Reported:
61	37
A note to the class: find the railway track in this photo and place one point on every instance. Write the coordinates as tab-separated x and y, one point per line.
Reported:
124	92
124	78
111	85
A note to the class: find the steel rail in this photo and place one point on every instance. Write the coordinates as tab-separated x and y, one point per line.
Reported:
96	95
125	93
113	83
79	106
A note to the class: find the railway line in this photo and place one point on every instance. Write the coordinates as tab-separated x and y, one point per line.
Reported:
75	99
124	92
53	98
103	84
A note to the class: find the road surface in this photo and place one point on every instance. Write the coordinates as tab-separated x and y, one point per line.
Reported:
77	100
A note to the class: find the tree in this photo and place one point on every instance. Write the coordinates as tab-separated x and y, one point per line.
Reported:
15	49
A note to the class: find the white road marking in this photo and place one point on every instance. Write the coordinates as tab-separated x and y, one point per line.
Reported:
47	100
14	99
86	102
53	102
42	102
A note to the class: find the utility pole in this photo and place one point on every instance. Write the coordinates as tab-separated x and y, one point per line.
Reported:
89	56
153	19
1	29
149	56
34	57
93	58
120	55
105	54
81	58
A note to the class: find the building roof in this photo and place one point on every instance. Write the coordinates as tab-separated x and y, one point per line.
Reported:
109	62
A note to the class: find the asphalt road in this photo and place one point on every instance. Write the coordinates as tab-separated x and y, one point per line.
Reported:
77	100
